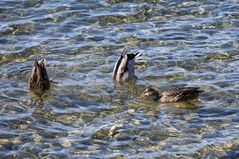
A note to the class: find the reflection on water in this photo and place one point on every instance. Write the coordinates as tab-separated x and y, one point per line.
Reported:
86	115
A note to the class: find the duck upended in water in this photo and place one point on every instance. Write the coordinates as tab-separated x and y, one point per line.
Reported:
178	94
124	67
39	80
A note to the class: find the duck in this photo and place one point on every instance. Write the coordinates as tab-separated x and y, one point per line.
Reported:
177	94
38	80
124	67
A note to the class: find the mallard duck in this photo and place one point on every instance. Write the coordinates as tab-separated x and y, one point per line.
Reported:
124	67
38	80
177	94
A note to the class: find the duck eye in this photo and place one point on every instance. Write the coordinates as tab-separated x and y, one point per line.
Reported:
131	56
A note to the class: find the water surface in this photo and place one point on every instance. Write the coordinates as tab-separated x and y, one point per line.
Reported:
86	115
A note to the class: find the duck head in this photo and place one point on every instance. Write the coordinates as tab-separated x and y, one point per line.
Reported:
151	93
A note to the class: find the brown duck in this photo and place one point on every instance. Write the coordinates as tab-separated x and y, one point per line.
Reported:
177	94
39	80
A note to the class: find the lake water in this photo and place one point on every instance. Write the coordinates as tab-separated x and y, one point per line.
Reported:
86	115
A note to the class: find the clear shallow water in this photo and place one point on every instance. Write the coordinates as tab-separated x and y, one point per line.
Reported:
88	116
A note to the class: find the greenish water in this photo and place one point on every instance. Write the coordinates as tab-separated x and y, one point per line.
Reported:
86	115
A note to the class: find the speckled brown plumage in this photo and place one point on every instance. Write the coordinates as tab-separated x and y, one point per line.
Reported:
38	80
177	94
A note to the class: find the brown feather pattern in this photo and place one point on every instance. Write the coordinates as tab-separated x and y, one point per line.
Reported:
177	94
38	80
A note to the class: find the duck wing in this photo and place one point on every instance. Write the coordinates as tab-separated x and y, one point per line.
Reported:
180	94
121	66
38	79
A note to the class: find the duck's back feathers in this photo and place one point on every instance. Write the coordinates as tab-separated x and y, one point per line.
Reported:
179	94
38	80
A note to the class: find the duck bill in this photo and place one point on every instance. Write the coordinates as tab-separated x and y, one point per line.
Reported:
142	96
137	54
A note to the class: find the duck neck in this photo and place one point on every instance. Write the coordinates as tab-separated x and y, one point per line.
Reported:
131	72
156	96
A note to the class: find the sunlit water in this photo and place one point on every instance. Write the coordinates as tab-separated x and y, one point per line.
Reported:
86	115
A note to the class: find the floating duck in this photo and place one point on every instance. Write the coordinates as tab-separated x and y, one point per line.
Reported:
39	80
177	94
124	67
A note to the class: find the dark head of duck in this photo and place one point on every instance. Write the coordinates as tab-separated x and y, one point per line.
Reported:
151	93
39	80
129	69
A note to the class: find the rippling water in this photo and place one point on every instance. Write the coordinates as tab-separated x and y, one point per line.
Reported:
86	115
